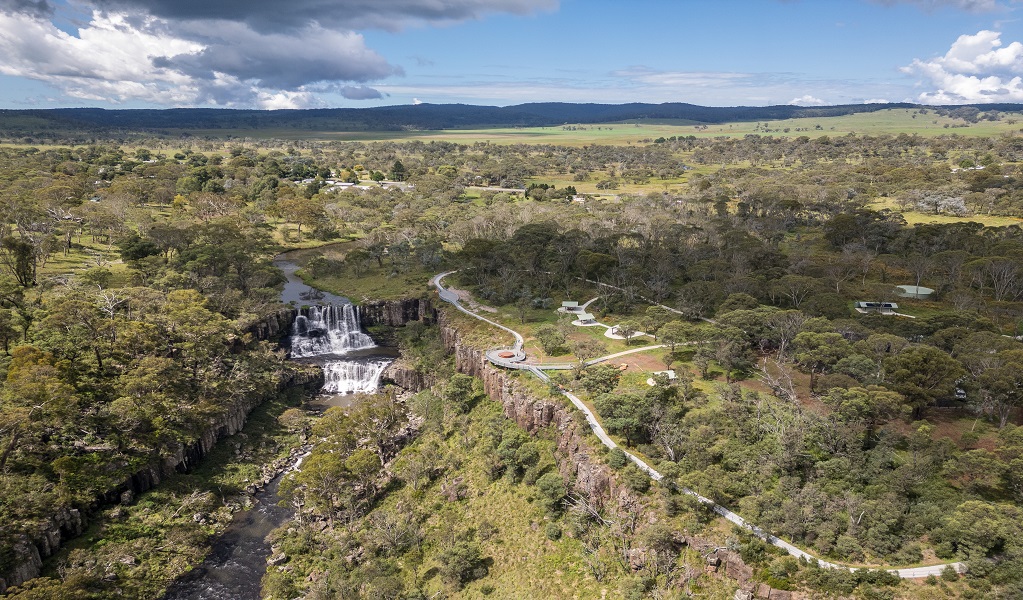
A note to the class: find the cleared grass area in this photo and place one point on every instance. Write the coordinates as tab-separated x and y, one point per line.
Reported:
377	284
87	253
913	217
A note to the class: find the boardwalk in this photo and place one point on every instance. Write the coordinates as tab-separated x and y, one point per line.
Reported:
516	362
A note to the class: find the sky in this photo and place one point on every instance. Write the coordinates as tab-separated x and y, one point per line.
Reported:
359	53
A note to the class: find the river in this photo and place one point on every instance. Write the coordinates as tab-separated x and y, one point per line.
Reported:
327	333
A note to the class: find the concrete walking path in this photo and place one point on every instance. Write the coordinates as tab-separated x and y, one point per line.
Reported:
598	430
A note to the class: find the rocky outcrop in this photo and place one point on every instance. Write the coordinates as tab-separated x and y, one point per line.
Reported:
272	327
406	376
591	477
396	313
30	550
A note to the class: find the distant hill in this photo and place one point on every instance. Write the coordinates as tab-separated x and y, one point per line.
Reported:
408	117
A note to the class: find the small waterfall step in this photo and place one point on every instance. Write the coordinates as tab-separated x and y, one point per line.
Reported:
353	376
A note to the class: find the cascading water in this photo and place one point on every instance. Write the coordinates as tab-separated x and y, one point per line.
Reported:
329	333
353	376
330	336
322	330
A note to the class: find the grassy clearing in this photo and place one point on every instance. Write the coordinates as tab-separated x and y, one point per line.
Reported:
377	284
913	217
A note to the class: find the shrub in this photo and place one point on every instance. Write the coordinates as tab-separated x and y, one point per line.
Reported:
637	480
616	459
552	531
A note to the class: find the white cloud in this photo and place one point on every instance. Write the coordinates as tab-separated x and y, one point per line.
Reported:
285	99
808	100
220	52
977	68
117	58
109	60
680	78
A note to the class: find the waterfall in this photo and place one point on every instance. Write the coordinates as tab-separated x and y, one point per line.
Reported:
324	330
332	332
353	376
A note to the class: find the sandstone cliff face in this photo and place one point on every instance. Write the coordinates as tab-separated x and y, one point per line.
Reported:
407	377
589	475
274	326
396	313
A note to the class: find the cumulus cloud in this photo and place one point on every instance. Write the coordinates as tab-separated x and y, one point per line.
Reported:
221	52
977	68
39	8
277	60
272	15
109	60
807	100
359	92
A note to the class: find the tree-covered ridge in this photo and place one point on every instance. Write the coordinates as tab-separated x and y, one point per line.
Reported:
76	125
423	116
118	351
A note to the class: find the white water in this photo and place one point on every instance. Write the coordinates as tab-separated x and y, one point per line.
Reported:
353	377
324	330
332	332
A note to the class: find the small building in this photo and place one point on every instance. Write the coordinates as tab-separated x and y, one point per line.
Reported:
570	306
586	318
669	374
915	291
885	308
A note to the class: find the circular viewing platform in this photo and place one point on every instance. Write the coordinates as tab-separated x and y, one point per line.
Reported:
505	355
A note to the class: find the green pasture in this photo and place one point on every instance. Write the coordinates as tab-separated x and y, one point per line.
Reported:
914	217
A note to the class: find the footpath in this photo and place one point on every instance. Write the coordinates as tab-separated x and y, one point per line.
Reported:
497	356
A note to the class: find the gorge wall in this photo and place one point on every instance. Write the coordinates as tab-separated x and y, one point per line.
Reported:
67	523
396	313
591	477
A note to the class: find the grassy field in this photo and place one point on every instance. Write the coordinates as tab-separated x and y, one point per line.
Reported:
376	283
913	217
893	121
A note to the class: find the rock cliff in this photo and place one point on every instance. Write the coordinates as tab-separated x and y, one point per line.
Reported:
589	475
578	463
68	523
273	327
396	313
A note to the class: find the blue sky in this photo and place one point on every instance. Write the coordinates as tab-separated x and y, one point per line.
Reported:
250	53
